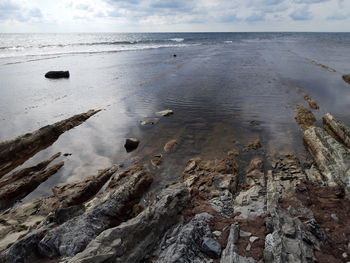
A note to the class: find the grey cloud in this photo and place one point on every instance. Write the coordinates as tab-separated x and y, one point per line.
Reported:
301	14
9	10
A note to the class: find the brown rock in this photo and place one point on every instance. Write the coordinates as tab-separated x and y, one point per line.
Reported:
346	78
313	105
170	145
304	117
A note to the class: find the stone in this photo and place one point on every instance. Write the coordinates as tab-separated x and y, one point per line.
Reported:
131	144
170	145
157	160
248	247
165	113
211	247
217	233
253	239
334	217
312	104
346	78
244	233
149	121
15	152
57	74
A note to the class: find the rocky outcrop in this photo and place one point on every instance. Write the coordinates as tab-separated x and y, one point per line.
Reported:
80	192
15	152
23	186
304	117
337	129
57	74
105	212
346	78
133	239
332	158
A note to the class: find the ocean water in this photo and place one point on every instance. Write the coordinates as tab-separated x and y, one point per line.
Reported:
226	89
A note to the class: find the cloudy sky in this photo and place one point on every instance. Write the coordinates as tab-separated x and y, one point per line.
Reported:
173	15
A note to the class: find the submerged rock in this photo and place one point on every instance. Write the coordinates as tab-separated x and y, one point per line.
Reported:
346	78
165	113
57	74
157	160
313	105
15	152
131	144
149	121
304	117
170	145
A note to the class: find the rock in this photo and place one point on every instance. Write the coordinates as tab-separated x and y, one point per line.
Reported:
229	254
248	247
336	129
346	78
27	172
253	239
157	160
244	233
170	145
25	249
133	239
217	233
23	186
104	212
211	248
174	55
304	117
254	145
57	74
67	154
165	113
183	243
344	255
79	192
313	105
334	217
149	121
131	144
332	158
15	152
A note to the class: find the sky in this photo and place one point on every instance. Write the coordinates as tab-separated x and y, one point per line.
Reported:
44	16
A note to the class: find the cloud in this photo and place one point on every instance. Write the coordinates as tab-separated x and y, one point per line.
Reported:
301	14
19	11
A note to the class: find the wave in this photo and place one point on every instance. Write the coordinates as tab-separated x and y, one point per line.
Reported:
98	43
39	56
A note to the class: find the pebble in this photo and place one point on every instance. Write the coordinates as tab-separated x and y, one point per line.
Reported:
244	233
217	233
252	239
334	217
248	247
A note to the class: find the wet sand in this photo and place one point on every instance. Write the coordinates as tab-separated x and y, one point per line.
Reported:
224	96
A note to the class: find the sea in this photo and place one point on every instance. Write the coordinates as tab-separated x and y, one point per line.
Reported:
226	90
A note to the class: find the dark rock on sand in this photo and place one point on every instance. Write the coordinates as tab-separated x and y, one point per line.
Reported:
57	74
74	235
15	152
131	144
346	78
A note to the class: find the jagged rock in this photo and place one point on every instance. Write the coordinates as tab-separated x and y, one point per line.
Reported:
27	172
133	239
74	235
313	105
346	78
15	152
79	192
211	248
332	158
170	145
25	249
337	129
23	186
131	144
57	74
165	113
304	117
229	254
183	244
